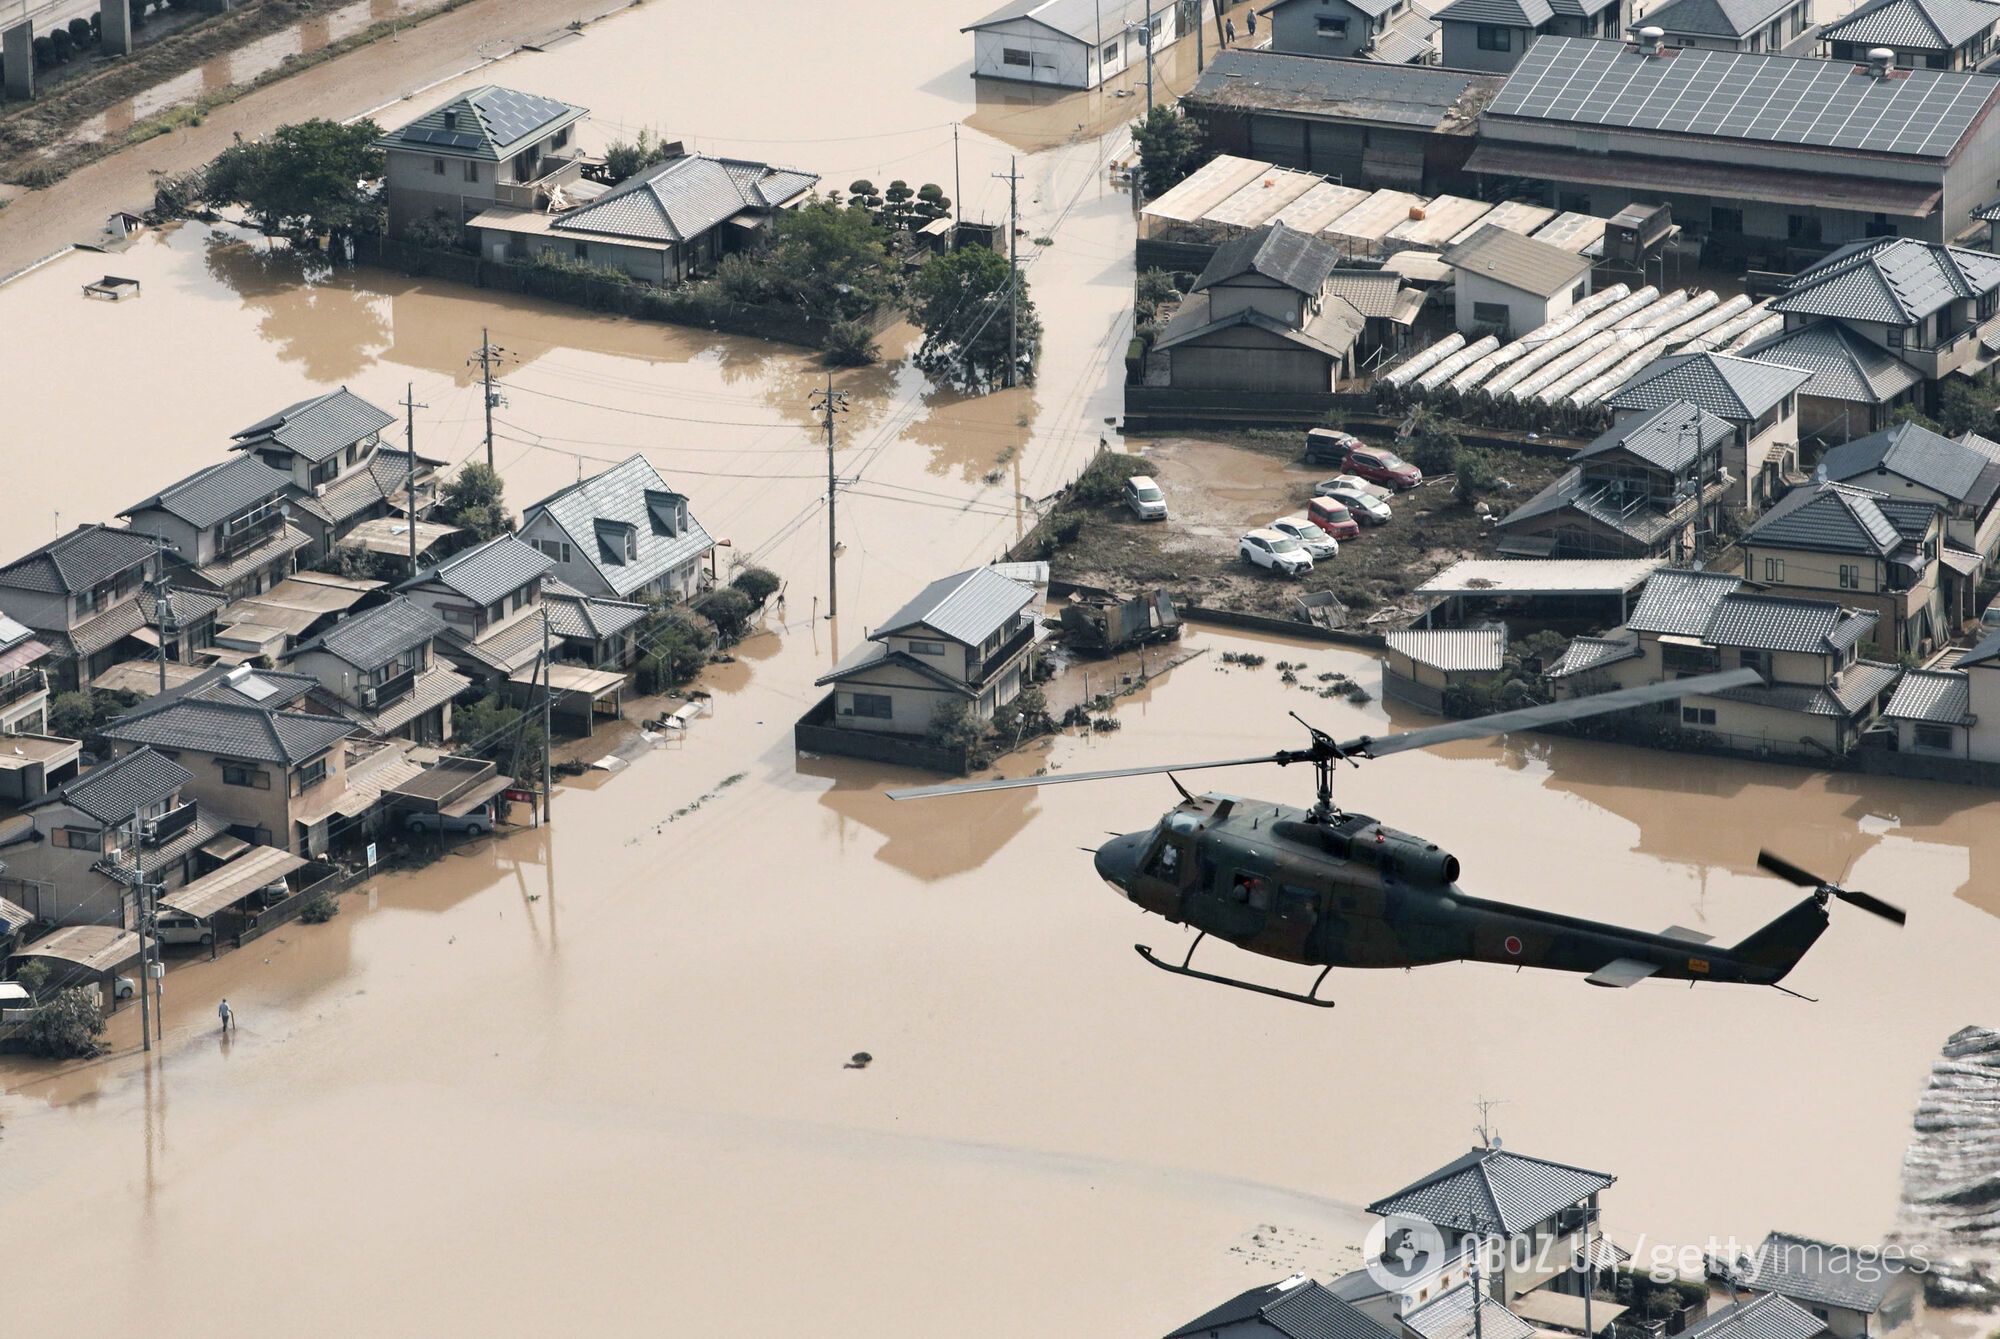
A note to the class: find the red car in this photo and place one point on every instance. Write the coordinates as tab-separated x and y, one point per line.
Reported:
1379	465
1333	517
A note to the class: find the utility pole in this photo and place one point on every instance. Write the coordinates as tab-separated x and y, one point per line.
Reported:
1478	1326
1589	1262
1147	36
1013	179
1199	64
830	402
548	694
410	408
957	188
485	358
145	954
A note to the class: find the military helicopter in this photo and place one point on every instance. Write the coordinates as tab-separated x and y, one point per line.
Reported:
1327	888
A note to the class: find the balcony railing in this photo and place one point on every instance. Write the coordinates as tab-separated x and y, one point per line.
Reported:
551	171
389	690
235	539
22	683
171	824
981	670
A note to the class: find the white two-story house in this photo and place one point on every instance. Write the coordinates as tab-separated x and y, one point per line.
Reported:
491	146
624	534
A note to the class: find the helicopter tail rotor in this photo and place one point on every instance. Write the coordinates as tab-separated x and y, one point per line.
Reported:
1825	888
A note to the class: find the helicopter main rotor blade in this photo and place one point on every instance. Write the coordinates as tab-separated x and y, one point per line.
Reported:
1868	902
1871	903
1530	718
1786	870
1017	783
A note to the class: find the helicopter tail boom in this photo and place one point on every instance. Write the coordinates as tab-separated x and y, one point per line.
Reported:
1778	946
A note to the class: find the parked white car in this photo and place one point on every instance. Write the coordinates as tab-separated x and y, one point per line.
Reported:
175	927
1367	508
1317	543
475	824
1144	498
1276	551
1345	483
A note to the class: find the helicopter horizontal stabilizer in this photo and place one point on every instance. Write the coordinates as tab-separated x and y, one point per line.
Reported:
1685	935
1622	973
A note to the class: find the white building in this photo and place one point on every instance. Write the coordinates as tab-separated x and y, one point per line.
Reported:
623	534
1507	284
1070	43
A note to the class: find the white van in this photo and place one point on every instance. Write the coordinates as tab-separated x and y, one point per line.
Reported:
1145	499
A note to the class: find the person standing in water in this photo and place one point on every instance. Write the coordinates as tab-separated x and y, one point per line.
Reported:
1229	32
226	1014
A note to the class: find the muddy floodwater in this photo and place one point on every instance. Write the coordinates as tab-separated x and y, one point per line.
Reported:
593	1078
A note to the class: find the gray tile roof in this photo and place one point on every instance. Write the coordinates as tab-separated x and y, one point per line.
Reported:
211	496
1589	653
1332	330
684	198
1471	650
1891	280
1353	90
1516	261
1449	1316
1369	292
1669	437
487	122
868	655
585	618
967	607
1913	25
1715	18
1491	1190
1780	623
231	730
243	686
115	791
317	428
1507	13
1298	260
1844	365
1766	1317
1942	697
225	571
81	560
1831	518
1817	1272
386	476
486	572
1984	652
1296	1308
632	496
1727	386
374	637
1677	603
1916	453
433	688
1579	9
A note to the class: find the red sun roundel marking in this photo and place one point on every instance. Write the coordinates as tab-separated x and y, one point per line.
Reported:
1513	944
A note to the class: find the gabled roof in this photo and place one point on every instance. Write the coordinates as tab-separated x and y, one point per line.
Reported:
1449	1316
1936	697
1295	1308
1332	330
967	607
1589	653
1844	366
1923	457
1729	387
316	428
1913	25
1369	292
871	654
230	730
1507	13
1668	438
1715	18
1298	260
1766	1317
211	496
1080	19
386	479
1493	1190
685	197
485	572
376	636
1892	280
1472	650
587	618
1985	651
1516	261
81	560
630	497
1837	518
1640	521
116	791
1680	603
1818	1272
489	122
1781	623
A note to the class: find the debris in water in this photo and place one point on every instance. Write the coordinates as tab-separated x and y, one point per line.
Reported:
859	1060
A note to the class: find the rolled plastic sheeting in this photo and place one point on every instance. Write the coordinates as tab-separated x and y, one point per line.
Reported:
1424	360
1660	313
1623	345
1457	363
1566	362
1622	373
1764	329
1540	335
1606	319
1693	337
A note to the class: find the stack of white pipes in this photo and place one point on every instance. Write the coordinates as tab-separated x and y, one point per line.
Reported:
1424	360
1764	329
1518	371
1540	335
1719	336
1457	363
1691	335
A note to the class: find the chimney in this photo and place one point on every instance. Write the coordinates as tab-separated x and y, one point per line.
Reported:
1881	62
450	120
1651	41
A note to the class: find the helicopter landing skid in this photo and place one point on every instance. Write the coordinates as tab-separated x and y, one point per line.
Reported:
1310	997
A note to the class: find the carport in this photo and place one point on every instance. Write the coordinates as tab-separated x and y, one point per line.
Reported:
83	955
221	889
580	695
1570	587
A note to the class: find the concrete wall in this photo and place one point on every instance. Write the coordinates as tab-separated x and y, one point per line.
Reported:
1460	43
1525	311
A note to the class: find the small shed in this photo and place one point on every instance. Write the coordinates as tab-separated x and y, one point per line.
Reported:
1508	284
82	955
1420	664
1568	586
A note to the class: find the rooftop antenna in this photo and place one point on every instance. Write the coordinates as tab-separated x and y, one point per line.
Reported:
1489	1136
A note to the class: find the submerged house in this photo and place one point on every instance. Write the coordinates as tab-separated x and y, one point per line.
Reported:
1399	32
671	222
377	669
489	598
1857	1291
341	473
489	147
227	527
623	534
85	597
1070	43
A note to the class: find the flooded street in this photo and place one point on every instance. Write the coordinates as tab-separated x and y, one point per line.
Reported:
593	1077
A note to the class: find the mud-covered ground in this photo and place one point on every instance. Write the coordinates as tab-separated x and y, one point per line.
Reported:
1216	490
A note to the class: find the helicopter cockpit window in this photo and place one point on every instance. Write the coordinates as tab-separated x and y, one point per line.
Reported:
1167	861
1185	825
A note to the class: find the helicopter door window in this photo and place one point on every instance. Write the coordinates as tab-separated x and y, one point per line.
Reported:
1167	862
1251	890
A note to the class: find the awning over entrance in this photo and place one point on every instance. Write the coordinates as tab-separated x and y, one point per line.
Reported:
94	948
1910	199
475	797
225	887
1560	1311
572	679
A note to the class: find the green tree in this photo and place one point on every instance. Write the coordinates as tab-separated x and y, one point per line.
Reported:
676	643
850	343
1434	446
829	262
68	1026
628	158
953	726
32	975
78	715
896	209
1965	406
759	583
474	501
931	203
490	728
306	178
729	609
1909	413
1476	476
960	299
1170	147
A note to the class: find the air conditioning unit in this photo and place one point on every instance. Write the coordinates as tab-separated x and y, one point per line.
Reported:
368	696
